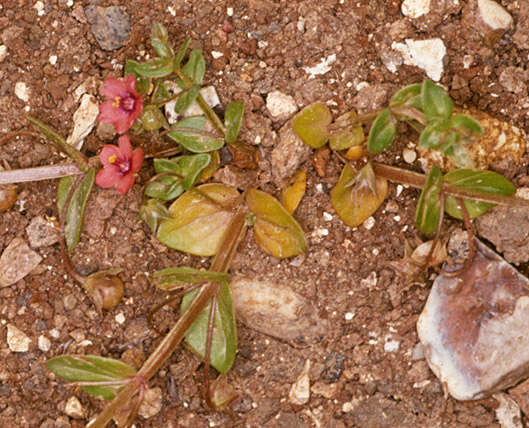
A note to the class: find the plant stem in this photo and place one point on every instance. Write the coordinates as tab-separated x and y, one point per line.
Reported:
417	180
206	108
231	238
61	143
38	173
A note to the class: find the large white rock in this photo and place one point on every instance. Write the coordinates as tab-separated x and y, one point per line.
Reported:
474	327
415	8
426	54
494	15
84	120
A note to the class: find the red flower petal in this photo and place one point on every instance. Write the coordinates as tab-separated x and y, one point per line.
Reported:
137	159
125	183
113	88
108	176
107	112
125	147
107	152
130	84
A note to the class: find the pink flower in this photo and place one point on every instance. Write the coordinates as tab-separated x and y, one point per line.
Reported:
119	165
124	104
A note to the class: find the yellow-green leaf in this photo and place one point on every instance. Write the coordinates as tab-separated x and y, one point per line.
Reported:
276	231
311	123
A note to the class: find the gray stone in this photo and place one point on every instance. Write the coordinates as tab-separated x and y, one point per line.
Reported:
42	233
474	327
16	262
109	25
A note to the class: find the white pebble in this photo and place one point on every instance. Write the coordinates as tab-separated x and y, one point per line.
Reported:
300	390
74	409
229	11
415	8
369	223
44	343
349	316
322	67
216	54
426	54
409	155
55	333
21	91
327	216
84	120
171	10
17	340
53	59
279	104
120	318
391	345
400	188
3	52
494	15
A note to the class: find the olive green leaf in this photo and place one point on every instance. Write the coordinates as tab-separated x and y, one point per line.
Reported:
466	125
435	101
224	340
292	194
276	231
159	38
74	217
94	370
355	200
477	181
142	83
428	213
233	120
347	136
152	213
155	68
199	218
187	97
181	53
382	132
160	94
311	123
433	136
191	133
174	277
195	67
404	95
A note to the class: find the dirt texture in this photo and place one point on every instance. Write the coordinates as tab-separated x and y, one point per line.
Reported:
368	370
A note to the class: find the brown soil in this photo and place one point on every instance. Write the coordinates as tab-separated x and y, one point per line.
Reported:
357	383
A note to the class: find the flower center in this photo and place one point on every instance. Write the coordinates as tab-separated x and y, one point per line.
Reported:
123	164
127	103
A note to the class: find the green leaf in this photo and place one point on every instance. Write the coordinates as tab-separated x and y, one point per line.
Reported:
195	67
186	170
152	213
434	134
191	133
382	132
93	369
74	219
181	53
171	278
347	136
466	125
428	213
155	68
159	38
160	93
199	218
355	200
436	102
224	340
187	98
233	120
276	231
405	94
476	181
152	118
311	123
142	83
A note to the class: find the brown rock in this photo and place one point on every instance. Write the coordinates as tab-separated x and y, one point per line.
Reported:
474	327
16	262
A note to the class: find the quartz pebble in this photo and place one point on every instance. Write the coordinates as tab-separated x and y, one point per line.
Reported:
84	120
152	403
280	105
17	261
3	52
74	408
409	155
425	54
17	340
474	326
44	343
508	413
22	91
300	390
41	233
485	19
415	8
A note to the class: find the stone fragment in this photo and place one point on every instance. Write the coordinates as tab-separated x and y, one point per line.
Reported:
521	35
327	390
16	262
209	93
3	52
109	25
84	120
513	79
152	403
280	105
22	91
501	145
415	8
425	54
521	394
486	19
42	233
322	67
288	155
474	326
409	155
300	390
508	413
74	408
98	210
276	310
44	343
17	340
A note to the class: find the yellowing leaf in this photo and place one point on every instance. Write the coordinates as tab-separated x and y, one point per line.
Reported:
292	195
310	124
199	218
276	231
355	204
